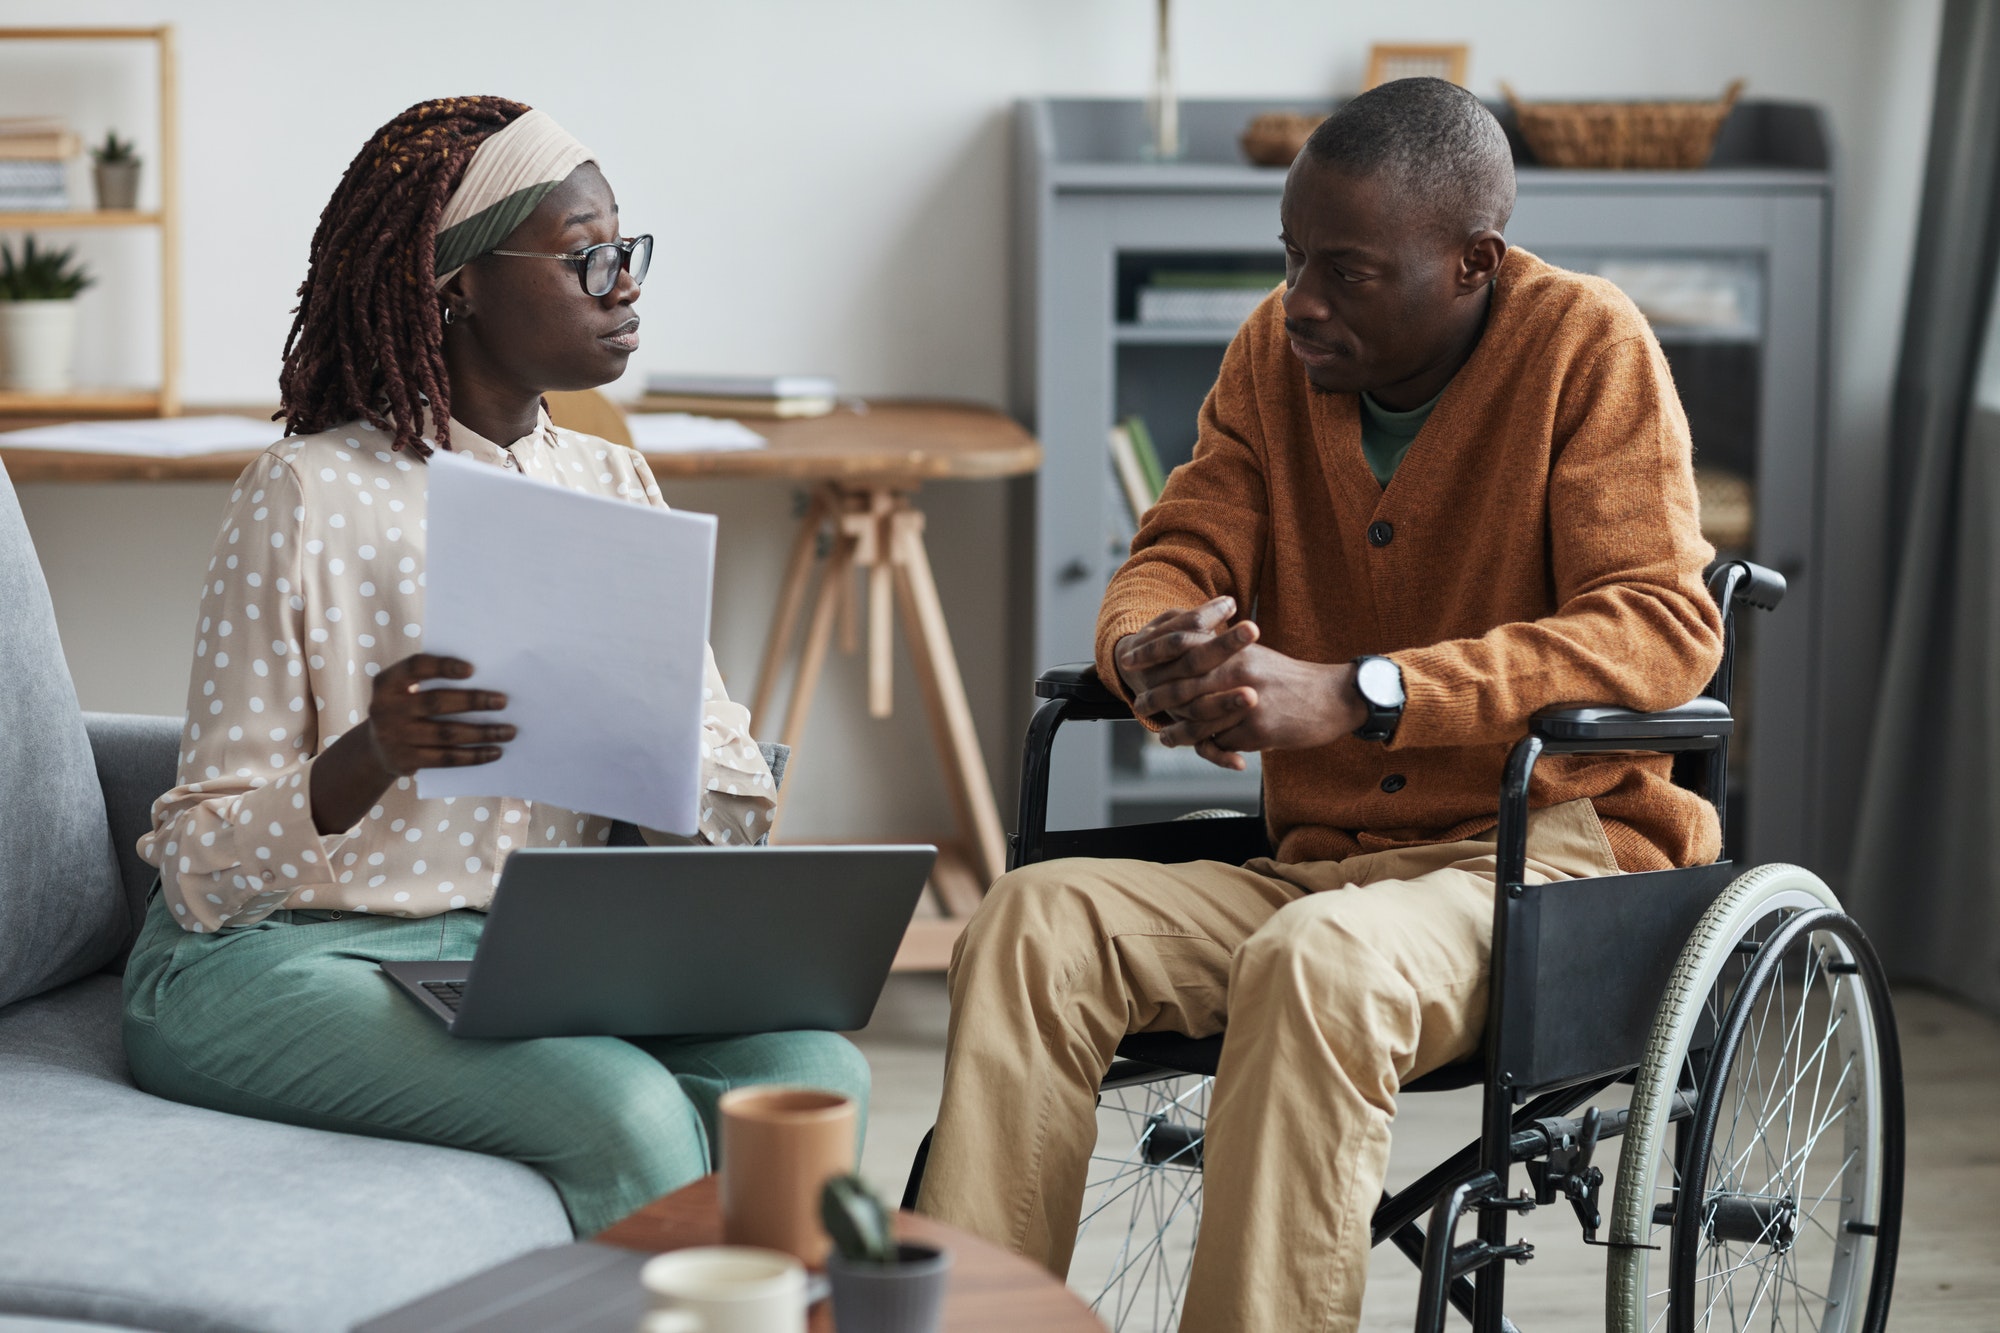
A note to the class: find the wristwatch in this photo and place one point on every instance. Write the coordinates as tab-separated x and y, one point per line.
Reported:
1380	682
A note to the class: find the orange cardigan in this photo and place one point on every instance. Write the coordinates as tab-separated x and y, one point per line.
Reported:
1543	548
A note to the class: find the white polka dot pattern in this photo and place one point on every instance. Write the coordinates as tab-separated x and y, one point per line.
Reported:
315	588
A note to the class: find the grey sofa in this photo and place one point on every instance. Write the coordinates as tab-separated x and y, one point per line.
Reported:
120	1209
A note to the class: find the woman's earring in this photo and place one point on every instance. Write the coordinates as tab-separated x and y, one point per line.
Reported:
447	315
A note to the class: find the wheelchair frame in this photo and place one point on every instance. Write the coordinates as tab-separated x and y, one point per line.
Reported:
1566	1018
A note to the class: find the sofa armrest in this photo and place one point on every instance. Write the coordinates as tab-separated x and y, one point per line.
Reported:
137	758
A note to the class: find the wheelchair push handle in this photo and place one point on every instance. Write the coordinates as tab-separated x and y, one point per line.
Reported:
1745	581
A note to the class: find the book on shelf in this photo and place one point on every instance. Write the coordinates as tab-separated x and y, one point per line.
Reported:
1149	457
38	139
31	185
1132	484
1183	297
704	405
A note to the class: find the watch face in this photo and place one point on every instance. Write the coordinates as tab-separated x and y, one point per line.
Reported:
1380	682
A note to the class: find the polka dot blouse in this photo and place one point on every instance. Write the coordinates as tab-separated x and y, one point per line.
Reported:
317	584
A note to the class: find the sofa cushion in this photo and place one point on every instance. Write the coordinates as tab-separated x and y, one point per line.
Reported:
61	912
137	758
120	1207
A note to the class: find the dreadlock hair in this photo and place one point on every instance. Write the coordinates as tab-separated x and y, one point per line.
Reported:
367	340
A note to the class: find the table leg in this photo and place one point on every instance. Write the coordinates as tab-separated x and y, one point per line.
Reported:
943	688
791	595
876	528
839	569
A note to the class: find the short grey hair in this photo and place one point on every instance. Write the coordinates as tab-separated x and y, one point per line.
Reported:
1440	147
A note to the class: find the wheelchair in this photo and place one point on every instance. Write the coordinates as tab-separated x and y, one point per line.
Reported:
1760	1174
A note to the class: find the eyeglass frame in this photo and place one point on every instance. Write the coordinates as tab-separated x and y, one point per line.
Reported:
581	258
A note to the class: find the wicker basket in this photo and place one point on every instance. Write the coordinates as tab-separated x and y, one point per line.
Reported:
1275	138
1656	135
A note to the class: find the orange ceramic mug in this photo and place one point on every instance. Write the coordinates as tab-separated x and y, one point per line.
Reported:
779	1146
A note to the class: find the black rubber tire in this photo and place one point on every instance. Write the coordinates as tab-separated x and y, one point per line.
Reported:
1880	1121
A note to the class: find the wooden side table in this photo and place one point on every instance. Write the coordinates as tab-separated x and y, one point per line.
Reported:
866	464
989	1288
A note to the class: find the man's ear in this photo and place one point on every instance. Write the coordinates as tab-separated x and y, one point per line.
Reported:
1480	259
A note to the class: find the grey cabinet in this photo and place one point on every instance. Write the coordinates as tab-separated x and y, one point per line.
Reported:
1742	246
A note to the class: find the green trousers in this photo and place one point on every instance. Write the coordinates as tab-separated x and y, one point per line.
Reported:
292	1020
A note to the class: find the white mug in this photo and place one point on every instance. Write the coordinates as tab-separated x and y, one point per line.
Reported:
724	1289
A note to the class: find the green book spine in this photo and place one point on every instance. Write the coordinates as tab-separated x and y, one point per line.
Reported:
1149	457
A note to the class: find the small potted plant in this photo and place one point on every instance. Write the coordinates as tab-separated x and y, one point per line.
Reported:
117	172
879	1284
38	289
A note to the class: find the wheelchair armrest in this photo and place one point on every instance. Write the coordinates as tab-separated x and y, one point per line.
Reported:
1699	724
1084	696
1074	680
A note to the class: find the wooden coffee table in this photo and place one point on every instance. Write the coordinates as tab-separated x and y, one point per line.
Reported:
989	1289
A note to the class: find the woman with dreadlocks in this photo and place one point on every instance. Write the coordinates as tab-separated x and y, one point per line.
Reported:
469	262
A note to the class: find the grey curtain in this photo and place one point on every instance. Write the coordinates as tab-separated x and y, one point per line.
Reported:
1925	877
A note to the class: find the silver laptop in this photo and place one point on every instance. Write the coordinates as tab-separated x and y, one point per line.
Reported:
679	941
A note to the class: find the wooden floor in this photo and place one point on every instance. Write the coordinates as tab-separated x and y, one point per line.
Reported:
1948	1280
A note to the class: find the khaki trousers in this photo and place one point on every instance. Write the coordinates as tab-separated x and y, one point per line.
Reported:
1338	982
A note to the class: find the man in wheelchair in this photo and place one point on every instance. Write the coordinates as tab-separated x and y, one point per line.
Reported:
1439	485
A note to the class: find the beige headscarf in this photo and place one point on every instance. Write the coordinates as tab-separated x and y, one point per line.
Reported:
509	174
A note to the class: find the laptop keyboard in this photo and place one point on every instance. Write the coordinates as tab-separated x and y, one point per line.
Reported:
448	993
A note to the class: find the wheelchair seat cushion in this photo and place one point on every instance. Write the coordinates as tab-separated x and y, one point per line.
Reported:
1201	1055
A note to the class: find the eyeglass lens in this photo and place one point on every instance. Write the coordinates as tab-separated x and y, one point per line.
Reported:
600	273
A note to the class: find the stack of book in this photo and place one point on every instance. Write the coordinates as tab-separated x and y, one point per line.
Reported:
740	395
1136	463
1182	296
34	154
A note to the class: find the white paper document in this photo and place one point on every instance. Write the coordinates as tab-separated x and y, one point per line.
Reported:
591	615
166	437
685	433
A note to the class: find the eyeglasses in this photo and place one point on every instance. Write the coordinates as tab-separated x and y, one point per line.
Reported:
598	266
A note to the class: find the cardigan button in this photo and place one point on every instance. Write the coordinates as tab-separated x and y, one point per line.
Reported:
1380	532
1394	783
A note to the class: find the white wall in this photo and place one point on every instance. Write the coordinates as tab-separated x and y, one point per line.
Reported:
828	181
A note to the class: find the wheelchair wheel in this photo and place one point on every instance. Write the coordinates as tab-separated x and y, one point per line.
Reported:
1142	1202
1776	1200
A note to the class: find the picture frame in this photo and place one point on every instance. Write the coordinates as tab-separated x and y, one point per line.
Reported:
1388	61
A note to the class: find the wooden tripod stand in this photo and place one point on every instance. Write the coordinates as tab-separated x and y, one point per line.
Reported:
876	532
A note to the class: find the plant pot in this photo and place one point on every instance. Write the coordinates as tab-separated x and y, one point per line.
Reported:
37	345
117	184
904	1297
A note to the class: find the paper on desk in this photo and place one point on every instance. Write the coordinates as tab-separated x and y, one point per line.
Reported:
682	432
166	437
591	614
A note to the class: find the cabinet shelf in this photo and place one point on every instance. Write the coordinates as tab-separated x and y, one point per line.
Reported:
1224	788
69	219
1675	335
1175	335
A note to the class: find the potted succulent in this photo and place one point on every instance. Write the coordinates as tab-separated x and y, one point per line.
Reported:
116	172
880	1285
38	289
